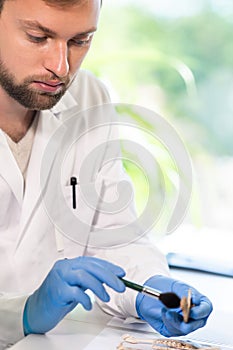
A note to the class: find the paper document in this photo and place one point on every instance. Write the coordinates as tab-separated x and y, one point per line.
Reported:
111	336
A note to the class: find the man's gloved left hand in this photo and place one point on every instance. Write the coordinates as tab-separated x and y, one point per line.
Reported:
169	322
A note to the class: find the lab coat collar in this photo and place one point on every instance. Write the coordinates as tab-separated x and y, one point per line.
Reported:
9	169
67	102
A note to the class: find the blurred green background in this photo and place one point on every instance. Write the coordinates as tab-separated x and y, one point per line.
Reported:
177	59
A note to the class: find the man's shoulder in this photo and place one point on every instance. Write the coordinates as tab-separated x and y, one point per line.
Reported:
88	90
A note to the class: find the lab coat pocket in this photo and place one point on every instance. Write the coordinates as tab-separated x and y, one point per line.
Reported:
76	223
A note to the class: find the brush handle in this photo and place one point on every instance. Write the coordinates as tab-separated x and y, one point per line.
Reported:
170	300
142	289
132	285
151	292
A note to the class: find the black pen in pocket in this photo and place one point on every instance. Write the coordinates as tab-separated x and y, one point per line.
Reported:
73	183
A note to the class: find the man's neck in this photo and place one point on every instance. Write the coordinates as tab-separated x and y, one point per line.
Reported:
15	120
16	128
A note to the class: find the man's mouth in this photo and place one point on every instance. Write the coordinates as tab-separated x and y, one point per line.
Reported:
49	86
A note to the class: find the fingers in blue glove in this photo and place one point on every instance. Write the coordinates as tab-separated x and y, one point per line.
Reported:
70	295
81	280
103	271
84	260
80	274
173	324
202	307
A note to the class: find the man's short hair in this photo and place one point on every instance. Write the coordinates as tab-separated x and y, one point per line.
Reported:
58	3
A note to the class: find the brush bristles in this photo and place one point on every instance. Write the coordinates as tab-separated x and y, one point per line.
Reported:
171	300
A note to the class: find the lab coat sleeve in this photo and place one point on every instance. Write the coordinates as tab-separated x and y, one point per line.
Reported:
139	257
11	315
140	260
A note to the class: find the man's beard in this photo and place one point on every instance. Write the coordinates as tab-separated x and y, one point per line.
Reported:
26	96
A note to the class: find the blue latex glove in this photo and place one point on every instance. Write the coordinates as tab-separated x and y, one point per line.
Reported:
169	322
65	286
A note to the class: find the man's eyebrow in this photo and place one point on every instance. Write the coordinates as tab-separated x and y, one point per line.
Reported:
36	25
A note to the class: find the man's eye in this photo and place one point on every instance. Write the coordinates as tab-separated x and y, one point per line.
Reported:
82	42
36	39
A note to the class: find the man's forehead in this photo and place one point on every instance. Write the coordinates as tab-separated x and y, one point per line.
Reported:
37	14
56	3
66	3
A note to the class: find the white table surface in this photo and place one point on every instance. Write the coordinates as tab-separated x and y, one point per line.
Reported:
81	327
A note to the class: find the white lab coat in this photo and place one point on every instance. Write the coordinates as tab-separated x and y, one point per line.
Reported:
30	241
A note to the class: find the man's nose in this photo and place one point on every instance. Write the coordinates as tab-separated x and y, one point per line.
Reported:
56	61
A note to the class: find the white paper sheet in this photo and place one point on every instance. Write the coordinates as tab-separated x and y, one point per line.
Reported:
110	337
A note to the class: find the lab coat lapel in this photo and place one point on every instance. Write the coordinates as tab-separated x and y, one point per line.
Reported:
9	170
47	125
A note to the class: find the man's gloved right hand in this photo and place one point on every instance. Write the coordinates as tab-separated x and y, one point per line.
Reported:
65	286
169	322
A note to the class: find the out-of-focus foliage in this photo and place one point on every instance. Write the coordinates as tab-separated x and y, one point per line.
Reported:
189	58
181	67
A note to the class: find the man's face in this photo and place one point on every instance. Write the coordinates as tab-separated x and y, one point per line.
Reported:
41	48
